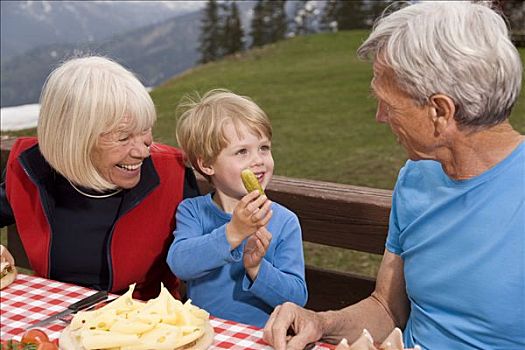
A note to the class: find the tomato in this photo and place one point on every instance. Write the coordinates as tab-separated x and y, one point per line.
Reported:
34	336
47	346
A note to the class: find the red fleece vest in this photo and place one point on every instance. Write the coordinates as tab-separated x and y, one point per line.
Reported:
141	237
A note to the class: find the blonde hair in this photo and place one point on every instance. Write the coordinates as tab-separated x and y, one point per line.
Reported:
201	124
82	99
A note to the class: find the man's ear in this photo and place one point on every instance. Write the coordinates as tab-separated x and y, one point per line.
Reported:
206	169
442	111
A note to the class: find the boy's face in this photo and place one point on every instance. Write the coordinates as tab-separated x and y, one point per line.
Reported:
245	150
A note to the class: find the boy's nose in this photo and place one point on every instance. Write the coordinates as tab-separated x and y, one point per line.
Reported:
257	159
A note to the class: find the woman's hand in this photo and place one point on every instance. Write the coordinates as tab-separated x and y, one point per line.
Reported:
251	213
255	250
306	327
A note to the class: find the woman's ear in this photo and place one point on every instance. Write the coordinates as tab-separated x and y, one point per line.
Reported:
206	169
442	111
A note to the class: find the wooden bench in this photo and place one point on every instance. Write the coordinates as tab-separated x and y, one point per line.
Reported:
331	214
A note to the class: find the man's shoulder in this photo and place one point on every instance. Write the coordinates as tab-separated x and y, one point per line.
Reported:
418	170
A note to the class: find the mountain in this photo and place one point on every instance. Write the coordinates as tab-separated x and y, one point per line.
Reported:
26	25
155	53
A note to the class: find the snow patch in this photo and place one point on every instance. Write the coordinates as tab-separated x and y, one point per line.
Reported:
19	117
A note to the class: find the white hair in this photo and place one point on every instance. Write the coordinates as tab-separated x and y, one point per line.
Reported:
457	48
82	99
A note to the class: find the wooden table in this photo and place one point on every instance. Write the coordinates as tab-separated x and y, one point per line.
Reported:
30	299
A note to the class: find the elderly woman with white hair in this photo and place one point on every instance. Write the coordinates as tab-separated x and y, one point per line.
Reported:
446	77
94	198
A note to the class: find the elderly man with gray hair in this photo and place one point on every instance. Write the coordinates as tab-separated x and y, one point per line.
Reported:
446	77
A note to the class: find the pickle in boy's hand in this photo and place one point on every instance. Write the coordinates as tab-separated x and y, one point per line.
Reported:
250	181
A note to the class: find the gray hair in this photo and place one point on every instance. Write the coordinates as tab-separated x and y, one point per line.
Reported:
457	48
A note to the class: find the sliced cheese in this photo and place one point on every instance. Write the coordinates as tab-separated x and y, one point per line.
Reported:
163	323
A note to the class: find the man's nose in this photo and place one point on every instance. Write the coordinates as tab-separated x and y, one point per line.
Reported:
381	114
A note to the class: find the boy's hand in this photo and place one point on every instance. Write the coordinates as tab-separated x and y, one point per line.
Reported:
255	250
251	213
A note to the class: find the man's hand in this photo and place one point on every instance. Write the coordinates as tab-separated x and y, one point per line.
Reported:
255	250
251	213
306	327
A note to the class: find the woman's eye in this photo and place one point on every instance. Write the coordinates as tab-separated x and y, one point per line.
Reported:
123	138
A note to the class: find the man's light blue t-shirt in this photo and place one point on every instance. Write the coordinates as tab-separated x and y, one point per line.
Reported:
463	247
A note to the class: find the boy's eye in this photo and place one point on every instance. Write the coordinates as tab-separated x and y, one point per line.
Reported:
242	151
266	148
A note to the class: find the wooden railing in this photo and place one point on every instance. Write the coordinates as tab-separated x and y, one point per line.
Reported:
331	214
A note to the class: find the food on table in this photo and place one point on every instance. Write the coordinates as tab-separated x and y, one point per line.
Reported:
163	323
32	339
34	336
250	181
8	272
394	341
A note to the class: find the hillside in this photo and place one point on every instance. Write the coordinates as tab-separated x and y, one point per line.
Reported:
316	92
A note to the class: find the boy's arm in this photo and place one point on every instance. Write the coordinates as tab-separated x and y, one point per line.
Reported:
283	279
191	244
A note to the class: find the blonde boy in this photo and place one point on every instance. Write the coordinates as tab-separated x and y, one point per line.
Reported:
240	254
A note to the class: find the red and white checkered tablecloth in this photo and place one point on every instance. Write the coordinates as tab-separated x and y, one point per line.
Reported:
30	299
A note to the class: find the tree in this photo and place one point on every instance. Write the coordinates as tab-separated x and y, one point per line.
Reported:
210	33
232	33
257	25
278	21
350	15
306	19
269	23
375	10
514	12
329	19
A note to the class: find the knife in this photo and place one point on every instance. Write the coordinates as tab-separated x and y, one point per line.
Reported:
75	307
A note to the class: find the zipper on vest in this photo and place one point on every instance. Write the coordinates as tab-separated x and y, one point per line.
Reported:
110	239
47	212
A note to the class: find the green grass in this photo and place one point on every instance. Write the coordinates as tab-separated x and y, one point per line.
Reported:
316	92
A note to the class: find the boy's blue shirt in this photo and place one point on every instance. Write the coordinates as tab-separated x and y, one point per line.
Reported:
215	275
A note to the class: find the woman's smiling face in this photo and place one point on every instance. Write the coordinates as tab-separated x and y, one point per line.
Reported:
118	155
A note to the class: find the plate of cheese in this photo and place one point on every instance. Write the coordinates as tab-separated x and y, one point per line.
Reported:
163	323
